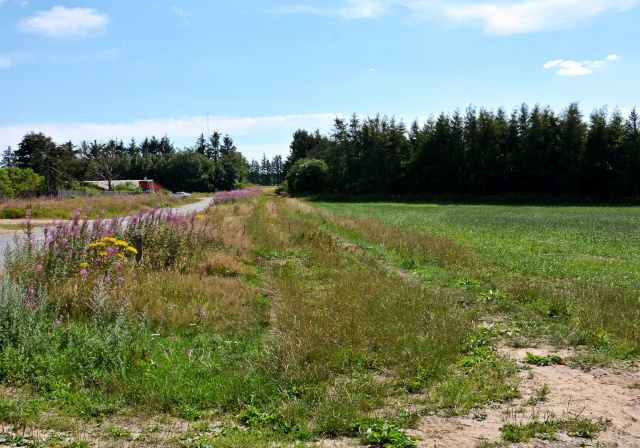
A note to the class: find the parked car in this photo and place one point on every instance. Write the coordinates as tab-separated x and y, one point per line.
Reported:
182	194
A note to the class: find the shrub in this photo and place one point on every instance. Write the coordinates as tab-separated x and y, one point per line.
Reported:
127	186
13	213
308	176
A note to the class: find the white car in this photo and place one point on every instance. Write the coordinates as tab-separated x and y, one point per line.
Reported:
182	194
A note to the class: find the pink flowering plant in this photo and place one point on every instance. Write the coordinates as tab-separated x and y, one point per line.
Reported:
80	256
226	197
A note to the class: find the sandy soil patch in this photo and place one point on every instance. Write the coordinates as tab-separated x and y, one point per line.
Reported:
610	394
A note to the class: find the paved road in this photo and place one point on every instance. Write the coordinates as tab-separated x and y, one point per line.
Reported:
8	239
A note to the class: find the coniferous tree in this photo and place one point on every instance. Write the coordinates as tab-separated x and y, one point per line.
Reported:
213	146
201	145
8	157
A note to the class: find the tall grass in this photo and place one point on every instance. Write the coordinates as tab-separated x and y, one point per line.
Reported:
91	328
345	326
40	348
82	258
566	273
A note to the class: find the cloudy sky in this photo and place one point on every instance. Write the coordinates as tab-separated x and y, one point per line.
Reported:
260	69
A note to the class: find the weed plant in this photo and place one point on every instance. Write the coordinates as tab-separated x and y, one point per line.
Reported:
230	197
87	262
94	331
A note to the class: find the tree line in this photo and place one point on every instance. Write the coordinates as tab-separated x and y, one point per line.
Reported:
212	164
531	151
267	172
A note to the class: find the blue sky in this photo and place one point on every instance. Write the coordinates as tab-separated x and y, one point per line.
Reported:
260	69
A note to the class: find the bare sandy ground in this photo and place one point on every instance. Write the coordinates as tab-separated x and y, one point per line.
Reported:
610	394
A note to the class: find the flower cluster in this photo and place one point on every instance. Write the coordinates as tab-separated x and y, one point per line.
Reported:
222	197
104	274
109	248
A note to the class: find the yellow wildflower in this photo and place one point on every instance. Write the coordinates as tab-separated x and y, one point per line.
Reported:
121	243
98	244
131	250
84	264
199	216
102	254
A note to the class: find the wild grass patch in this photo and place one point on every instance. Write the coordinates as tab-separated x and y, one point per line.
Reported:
264	320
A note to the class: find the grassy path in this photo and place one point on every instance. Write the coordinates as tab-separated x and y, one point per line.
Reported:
295	325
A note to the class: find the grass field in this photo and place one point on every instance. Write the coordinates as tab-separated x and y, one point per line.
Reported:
596	245
267	319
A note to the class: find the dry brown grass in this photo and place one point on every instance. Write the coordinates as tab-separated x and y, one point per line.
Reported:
334	310
231	220
440	250
213	290
208	289
179	301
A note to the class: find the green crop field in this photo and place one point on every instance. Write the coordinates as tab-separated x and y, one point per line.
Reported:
269	320
589	244
580	264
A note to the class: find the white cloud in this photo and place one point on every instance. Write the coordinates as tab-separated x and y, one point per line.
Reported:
500	17
525	16
373	70
252	135
65	22
5	62
354	9
573	68
181	13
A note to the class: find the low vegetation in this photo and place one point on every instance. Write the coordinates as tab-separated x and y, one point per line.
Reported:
107	206
266	319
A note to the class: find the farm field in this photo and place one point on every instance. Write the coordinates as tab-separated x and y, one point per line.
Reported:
269	320
591	244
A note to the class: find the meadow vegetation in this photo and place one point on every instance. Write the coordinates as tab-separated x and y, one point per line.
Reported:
51	207
265	319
